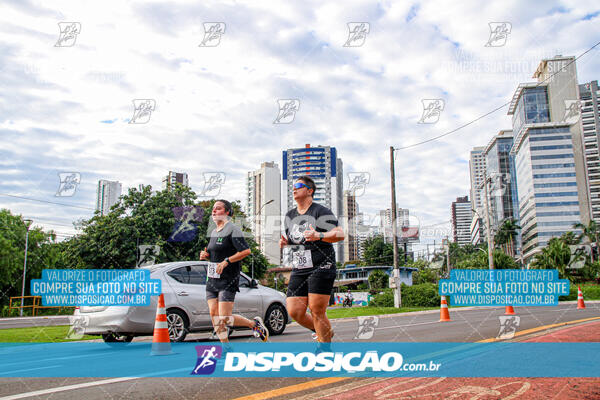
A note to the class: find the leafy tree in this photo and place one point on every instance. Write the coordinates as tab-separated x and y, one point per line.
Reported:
425	273
377	252
42	252
378	279
147	218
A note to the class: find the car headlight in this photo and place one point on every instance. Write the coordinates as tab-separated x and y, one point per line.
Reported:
282	294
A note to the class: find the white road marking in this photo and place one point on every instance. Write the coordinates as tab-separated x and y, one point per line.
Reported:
65	388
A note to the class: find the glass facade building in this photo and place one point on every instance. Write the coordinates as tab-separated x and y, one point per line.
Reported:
500	168
547	151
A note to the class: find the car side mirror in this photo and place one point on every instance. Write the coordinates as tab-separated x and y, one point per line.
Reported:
253	284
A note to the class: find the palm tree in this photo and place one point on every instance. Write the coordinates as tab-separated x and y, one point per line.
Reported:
506	234
557	254
591	231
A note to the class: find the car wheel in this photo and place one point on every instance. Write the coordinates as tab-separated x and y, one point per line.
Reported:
275	319
178	325
115	339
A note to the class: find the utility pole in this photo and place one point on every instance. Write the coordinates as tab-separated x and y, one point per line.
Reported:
489	226
448	255
396	272
28	223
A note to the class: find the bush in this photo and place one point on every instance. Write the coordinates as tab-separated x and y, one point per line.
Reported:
424	295
378	279
385	299
590	292
363	286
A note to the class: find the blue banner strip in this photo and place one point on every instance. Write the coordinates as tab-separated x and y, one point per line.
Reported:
85	359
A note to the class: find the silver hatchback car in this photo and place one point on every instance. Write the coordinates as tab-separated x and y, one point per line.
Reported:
184	289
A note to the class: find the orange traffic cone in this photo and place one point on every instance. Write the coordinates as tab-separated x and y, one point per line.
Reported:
444	314
161	343
509	310
580	303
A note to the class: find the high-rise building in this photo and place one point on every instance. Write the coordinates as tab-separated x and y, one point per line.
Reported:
107	195
170	180
263	188
590	122
461	220
502	187
477	231
385	222
550	168
325	168
350	226
477	172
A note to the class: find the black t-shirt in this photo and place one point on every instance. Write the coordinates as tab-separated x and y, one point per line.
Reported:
322	220
223	244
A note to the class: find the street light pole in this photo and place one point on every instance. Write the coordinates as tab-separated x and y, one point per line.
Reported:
487	221
27	225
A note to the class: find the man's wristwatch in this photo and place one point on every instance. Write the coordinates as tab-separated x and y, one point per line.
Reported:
321	235
228	262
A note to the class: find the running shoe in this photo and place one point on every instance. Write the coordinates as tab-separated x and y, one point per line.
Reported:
316	337
260	330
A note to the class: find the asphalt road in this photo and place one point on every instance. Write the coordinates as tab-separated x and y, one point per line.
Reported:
466	326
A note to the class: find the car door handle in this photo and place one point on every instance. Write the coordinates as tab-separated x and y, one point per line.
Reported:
183	293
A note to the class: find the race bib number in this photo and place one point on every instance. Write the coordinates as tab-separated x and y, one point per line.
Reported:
302	259
211	271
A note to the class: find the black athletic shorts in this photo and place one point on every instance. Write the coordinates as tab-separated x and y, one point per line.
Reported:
221	295
319	281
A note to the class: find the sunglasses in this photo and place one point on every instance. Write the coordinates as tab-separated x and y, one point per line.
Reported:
299	185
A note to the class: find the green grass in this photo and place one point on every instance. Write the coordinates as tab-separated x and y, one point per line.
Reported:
42	334
333	313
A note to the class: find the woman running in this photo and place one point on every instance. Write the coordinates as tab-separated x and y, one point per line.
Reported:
227	247
310	230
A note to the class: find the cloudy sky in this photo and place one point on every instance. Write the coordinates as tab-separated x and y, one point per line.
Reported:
66	107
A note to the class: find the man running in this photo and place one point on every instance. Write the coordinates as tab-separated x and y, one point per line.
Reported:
310	230
227	248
